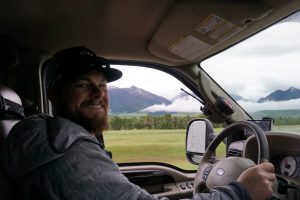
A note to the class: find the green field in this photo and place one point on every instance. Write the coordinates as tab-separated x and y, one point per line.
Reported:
167	146
290	128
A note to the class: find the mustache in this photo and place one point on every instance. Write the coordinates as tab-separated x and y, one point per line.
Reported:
94	103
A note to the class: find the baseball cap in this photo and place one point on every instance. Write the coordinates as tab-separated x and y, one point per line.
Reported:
74	61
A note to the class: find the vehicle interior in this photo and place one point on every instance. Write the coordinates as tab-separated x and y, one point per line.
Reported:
173	36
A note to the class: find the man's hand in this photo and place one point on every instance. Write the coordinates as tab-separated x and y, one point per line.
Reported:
259	180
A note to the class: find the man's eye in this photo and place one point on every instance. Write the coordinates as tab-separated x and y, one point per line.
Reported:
102	85
82	85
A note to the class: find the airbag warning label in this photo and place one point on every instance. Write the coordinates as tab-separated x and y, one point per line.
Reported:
189	47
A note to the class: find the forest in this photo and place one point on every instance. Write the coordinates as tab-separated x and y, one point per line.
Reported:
169	121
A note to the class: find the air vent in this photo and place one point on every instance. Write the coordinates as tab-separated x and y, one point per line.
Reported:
234	153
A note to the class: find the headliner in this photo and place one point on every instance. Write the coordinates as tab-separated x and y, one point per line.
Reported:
135	30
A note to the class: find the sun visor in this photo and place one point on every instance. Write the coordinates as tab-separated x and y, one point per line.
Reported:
9	54
202	27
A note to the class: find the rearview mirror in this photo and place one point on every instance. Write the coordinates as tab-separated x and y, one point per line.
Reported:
198	135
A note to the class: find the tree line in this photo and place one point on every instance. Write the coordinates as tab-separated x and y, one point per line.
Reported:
166	121
169	121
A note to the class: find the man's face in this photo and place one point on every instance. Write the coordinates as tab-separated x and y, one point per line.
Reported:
85	101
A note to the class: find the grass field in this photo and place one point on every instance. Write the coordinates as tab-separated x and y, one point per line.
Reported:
291	128
166	146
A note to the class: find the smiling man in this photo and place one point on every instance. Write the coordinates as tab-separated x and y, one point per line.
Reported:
61	156
79	91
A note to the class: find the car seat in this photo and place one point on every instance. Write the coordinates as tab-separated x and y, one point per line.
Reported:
11	109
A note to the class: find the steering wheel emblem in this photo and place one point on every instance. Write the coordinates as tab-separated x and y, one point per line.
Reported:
220	172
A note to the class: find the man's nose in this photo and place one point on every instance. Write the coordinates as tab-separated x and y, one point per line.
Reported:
97	92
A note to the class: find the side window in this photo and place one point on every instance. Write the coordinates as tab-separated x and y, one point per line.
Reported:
148	115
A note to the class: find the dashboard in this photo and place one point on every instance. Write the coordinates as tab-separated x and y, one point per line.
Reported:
284	152
287	165
284	155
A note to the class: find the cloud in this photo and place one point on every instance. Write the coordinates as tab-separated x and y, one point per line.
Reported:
270	42
253	78
189	104
270	105
186	104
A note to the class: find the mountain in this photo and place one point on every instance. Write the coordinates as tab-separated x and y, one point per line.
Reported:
281	95
238	98
133	99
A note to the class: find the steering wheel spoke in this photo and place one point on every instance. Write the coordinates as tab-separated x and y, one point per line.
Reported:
202	175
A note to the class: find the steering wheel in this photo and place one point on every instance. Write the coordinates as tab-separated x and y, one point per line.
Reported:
226	170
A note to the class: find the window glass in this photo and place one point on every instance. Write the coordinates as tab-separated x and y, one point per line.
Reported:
148	116
262	73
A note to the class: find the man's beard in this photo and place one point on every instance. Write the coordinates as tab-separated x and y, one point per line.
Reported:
94	125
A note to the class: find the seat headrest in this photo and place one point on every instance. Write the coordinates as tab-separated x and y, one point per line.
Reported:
10	104
9	53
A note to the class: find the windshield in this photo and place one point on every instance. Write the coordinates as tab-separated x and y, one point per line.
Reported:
262	72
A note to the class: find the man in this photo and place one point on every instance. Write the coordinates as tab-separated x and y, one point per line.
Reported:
61	158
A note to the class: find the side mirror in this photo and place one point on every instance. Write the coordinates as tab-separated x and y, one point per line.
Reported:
198	135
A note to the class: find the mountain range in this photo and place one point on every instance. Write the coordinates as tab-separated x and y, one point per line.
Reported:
281	95
134	99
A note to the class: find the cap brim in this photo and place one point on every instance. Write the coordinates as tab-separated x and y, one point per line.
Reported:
112	74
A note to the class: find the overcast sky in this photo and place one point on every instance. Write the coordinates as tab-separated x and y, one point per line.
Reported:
268	62
253	69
